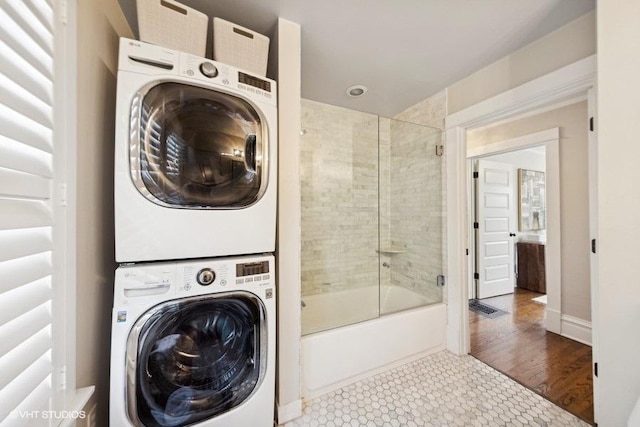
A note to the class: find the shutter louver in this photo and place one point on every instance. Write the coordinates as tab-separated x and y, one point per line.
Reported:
26	200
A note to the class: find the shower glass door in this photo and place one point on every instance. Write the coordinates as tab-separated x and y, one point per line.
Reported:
372	216
411	215
339	180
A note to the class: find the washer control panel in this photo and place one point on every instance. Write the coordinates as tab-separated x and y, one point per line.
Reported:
149	59
136	283
221	273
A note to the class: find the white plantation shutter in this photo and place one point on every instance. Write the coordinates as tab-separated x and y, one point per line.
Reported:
26	209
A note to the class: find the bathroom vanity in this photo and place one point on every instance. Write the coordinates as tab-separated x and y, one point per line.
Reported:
531	268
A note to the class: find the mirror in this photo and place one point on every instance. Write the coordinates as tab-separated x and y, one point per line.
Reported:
531	196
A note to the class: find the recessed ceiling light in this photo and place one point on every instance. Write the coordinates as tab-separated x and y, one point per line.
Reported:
356	91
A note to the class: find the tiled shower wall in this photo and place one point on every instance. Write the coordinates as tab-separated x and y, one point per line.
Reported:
339	174
340	207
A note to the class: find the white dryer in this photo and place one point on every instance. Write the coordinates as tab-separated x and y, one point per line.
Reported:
195	157
193	343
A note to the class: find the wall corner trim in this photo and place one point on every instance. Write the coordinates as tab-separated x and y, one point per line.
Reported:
552	88
288	412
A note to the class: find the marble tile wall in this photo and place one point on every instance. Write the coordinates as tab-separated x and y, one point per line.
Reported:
428	112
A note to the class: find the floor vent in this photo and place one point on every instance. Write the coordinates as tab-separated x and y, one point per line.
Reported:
484	309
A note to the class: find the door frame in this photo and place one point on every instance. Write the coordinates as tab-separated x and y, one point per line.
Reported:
562	86
565	84
550	138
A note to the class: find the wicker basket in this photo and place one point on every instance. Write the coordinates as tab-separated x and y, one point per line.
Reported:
240	47
171	24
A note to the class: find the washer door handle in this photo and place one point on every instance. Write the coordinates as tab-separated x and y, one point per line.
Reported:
250	153
140	291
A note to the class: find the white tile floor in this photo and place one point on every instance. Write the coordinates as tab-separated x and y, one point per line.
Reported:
438	390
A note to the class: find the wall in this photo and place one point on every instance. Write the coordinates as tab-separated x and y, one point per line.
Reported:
618	305
285	64
428	112
99	25
574	193
525	159
564	46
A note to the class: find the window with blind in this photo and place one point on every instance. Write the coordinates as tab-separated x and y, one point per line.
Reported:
27	211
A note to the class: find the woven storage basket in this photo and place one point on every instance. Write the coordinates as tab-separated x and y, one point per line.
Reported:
240	47
171	24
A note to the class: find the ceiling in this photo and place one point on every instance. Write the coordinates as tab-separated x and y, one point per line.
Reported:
402	50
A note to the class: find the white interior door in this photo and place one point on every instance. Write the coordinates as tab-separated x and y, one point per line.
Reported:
496	227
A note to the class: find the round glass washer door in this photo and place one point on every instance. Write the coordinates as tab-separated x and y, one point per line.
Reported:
197	148
192	359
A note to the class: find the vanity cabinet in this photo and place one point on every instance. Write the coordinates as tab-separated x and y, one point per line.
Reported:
531	269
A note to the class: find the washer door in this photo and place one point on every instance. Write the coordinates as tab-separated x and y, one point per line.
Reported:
192	359
197	148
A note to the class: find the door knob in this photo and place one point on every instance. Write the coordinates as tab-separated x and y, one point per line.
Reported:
512	234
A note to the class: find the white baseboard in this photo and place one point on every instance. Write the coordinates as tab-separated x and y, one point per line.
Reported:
289	412
576	329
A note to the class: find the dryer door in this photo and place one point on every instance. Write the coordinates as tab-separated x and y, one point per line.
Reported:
192	359
197	148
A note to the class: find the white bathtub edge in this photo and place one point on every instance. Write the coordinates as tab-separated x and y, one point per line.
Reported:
336	358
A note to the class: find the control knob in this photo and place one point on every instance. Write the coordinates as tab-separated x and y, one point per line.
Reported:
208	70
206	276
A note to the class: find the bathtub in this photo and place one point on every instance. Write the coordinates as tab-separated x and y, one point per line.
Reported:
336	357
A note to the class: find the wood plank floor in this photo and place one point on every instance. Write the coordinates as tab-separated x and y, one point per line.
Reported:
518	345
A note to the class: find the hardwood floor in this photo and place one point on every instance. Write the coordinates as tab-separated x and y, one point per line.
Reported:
518	345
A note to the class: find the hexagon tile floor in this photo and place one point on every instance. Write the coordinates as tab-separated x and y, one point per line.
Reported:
439	390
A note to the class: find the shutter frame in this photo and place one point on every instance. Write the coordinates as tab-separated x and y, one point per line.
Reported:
27	207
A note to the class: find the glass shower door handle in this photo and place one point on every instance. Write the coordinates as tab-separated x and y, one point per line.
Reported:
391	251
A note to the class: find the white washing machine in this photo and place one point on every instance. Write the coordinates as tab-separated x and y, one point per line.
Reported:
195	157
193	344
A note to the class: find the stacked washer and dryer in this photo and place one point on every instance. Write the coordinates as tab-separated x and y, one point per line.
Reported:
193	330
